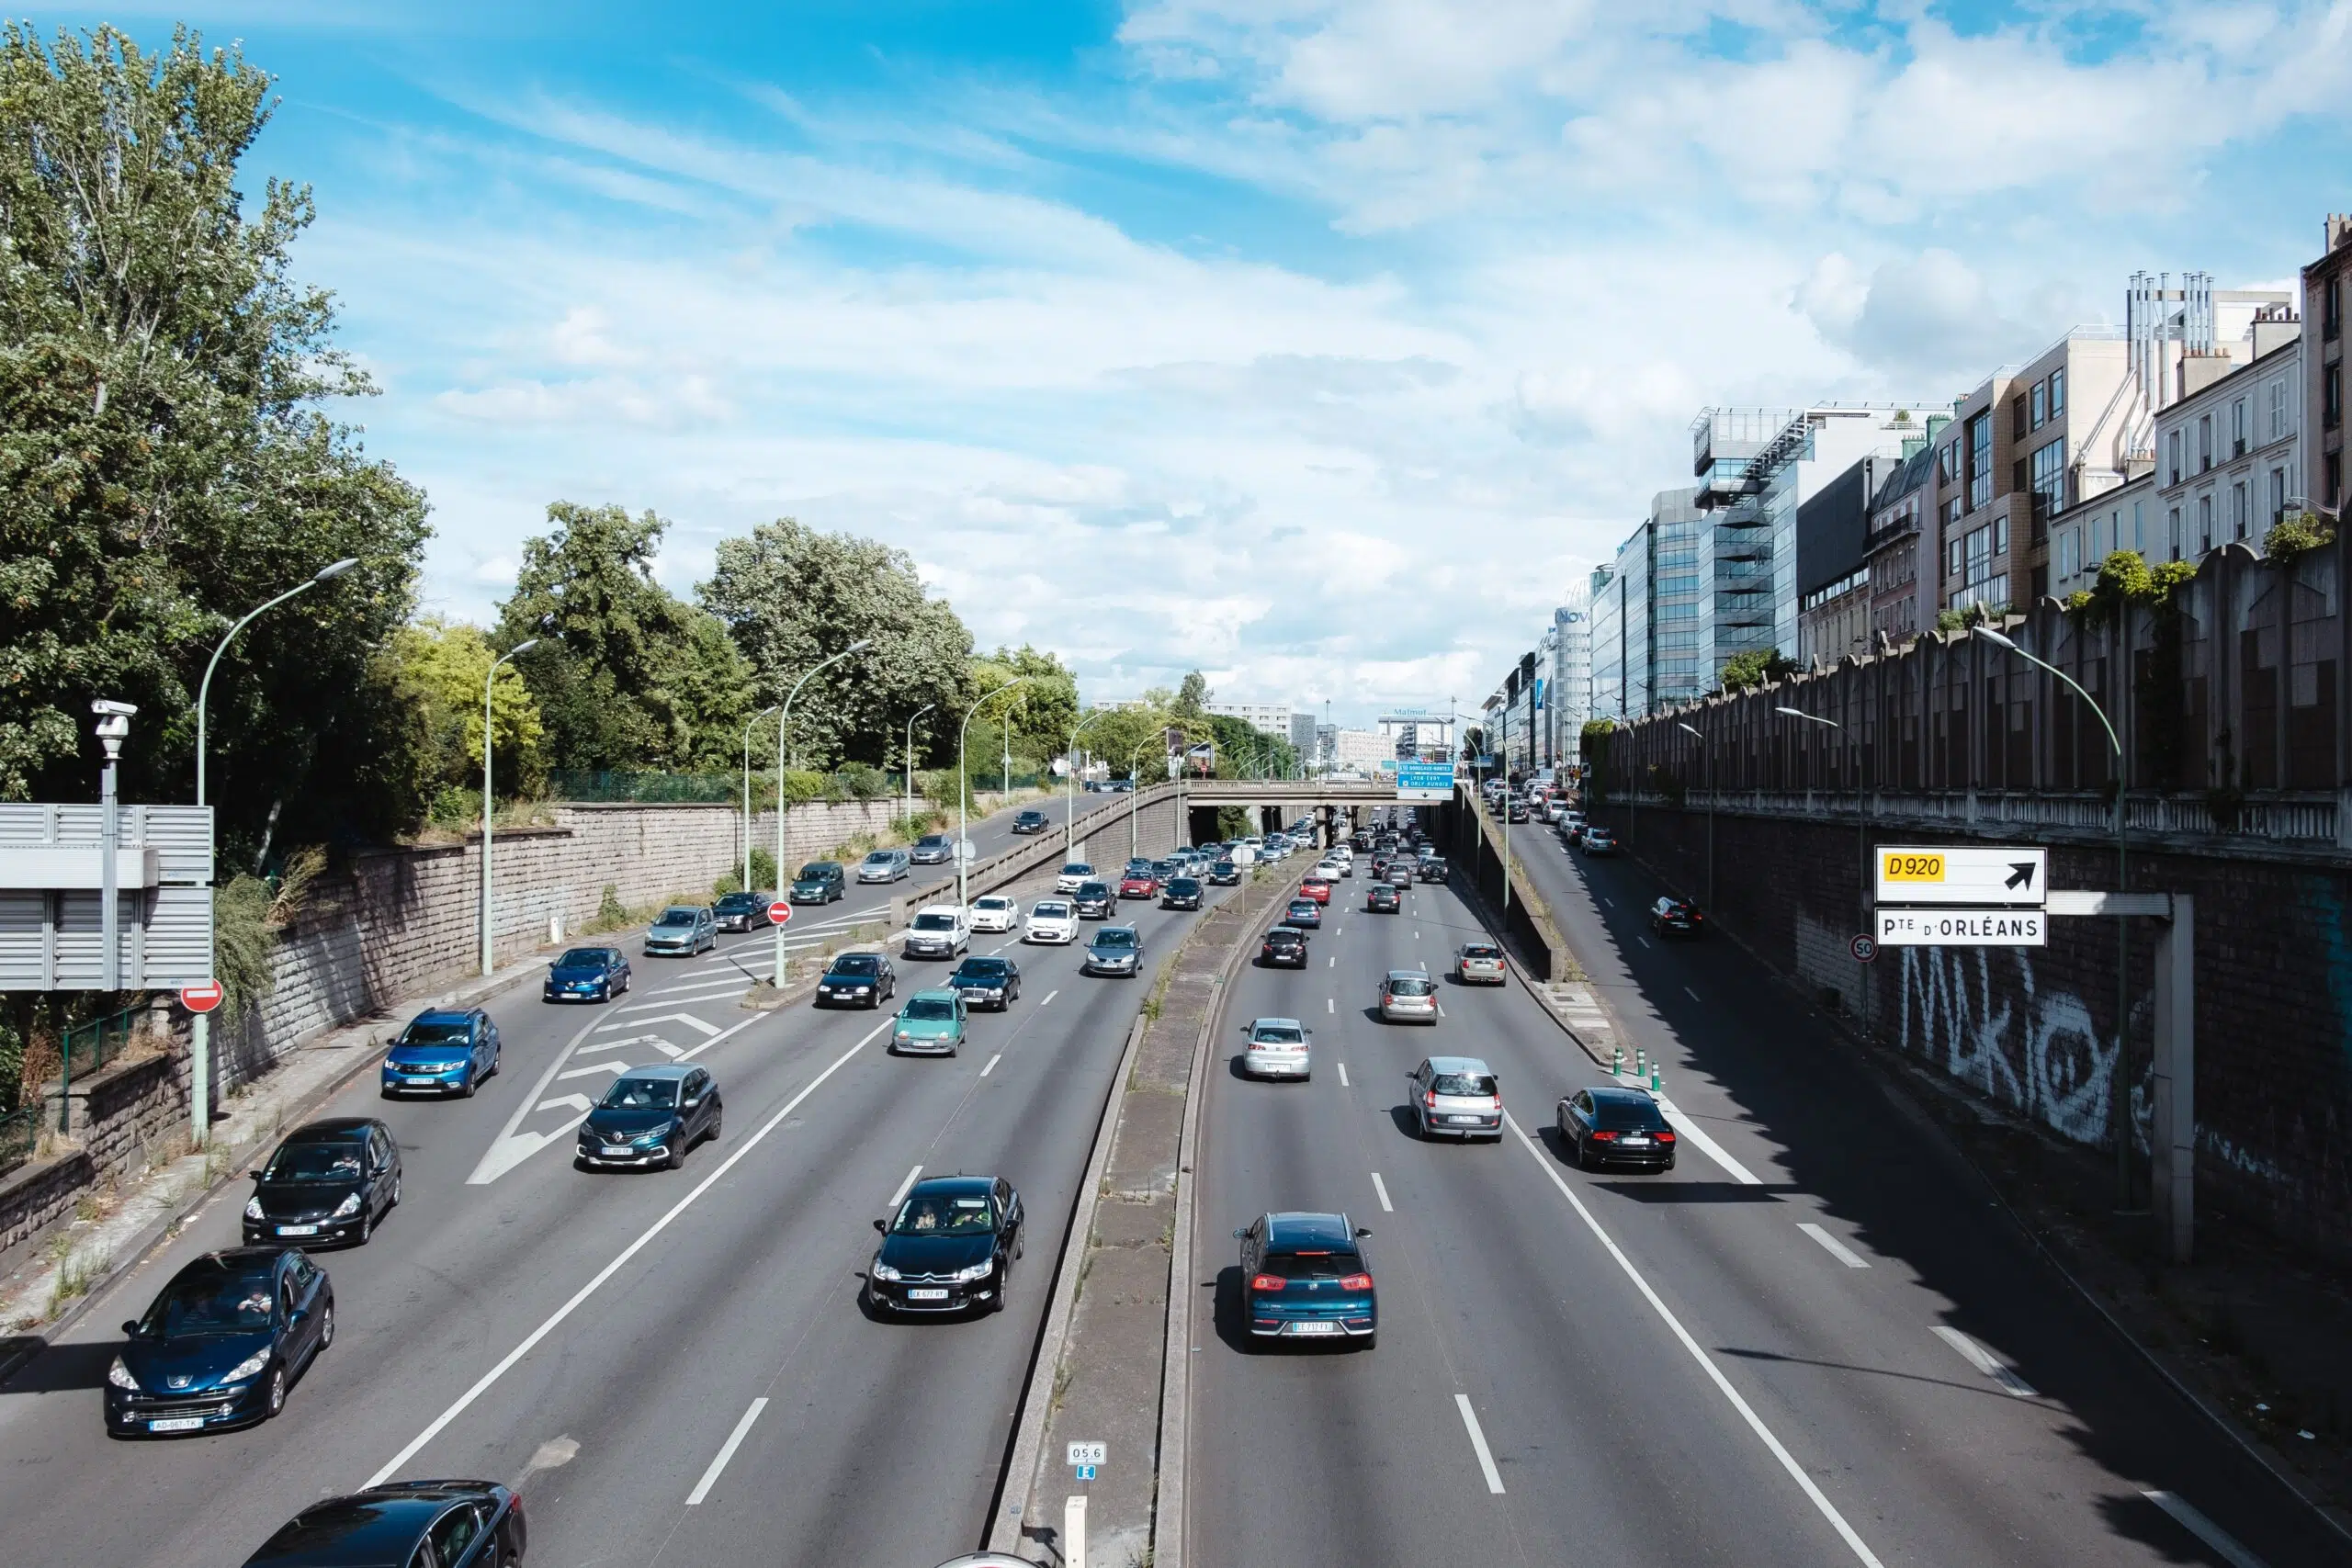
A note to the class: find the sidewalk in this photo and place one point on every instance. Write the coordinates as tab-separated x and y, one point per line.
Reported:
116	1228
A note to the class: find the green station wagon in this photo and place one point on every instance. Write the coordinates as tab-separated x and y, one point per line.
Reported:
930	1024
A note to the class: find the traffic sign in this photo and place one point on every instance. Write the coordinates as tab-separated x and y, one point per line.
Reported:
780	913
202	997
1865	948
1424	781
1088	1453
1983	875
1962	928
1085	1472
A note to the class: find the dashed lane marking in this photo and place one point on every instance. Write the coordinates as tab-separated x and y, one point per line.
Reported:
1836	1249
1380	1188
1984	1361
1478	1444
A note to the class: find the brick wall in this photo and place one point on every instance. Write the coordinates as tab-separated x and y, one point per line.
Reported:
2035	1028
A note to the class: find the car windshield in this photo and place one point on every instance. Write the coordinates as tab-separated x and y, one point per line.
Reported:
817	870
1311	1265
928	922
1049	911
1077	868
928	1009
932	841
1462	1083
1184	885
1302	906
641	1094
1114	936
436	1034
1281	938
581	958
1278	1034
992	903
857	964
1411	987
315	1162
924	1215
733	901
880	857
1095	890
676	917
211	1298
983	968
1627	1115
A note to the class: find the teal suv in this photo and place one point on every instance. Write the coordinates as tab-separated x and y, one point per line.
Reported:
1304	1277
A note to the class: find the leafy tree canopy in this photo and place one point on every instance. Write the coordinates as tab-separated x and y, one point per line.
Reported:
1757	667
444	666
166	464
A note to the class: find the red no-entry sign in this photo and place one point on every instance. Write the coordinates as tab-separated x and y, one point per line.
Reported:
780	913
202	997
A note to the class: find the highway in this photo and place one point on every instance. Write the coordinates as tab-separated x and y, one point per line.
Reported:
605	1337
1816	1341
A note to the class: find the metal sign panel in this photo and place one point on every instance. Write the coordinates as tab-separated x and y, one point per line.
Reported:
49	916
1983	875
1962	928
1424	781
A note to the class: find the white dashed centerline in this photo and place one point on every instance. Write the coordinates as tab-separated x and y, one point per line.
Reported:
1984	1361
1049	997
1836	1249
906	1187
1691	994
726	1452
1332	1004
1478	1443
1343	1075
2192	1519
1381	1189
992	1062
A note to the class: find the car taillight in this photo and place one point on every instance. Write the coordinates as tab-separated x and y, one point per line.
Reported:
1663	1136
1604	1138
1429	1098
1356	1282
1266	1281
1496	1102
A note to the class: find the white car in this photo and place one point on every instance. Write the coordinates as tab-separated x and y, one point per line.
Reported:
995	912
1073	877
938	931
1051	921
1278	1048
1332	869
1343	851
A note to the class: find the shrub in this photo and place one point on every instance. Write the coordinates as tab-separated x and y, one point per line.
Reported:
2296	535
610	911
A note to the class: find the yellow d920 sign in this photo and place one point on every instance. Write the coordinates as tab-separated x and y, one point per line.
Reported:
1983	875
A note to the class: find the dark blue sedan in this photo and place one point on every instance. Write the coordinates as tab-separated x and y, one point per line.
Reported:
220	1343
441	1054
587	975
453	1524
1304	1277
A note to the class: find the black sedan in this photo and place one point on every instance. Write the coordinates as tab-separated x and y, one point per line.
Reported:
330	1180
744	911
1094	900
1677	916
219	1343
651	1116
1285	947
1382	898
857	980
1028	821
1610	1125
1223	873
986	981
468	1524
587	975
1181	892
950	1247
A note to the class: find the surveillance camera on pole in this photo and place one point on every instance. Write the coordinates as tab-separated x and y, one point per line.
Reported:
113	728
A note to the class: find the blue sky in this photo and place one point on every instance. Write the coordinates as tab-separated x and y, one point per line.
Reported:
1317	345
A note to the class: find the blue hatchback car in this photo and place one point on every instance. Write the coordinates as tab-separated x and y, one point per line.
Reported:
587	975
442	1054
1304	1277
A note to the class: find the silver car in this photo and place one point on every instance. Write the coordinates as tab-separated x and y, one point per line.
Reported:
1279	1048
1407	995
1116	950
884	865
681	931
1456	1097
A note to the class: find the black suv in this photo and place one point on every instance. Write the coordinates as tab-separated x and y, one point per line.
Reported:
1283	947
1223	873
1029	822
1676	916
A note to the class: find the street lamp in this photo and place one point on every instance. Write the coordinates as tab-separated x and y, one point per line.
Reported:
1710	751
783	724
748	725
2119	1095
200	1027
487	810
910	760
1069	787
1135	791
1861	819
964	783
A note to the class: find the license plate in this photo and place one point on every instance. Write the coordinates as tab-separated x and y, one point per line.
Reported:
297	1230
1636	1138
1471	1121
177	1424
927	1294
1313	1328
613	1149
422	1083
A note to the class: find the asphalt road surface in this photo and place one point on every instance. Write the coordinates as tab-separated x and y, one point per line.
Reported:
602	1336
1814	1342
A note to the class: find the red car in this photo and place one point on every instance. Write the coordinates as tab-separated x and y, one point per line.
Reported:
1141	884
1317	888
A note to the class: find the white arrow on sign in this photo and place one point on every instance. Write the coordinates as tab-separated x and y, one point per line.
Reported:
1985	877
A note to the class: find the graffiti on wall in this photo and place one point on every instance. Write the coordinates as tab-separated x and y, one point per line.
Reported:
1982	1015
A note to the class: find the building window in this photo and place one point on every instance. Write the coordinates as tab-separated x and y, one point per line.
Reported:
2092	529
2172	458
2001	535
2041	396
2070	554
2331	412
2057	392
2334	479
2139	540
1980	461
2204	523
1951	463
2172	521
2204	442
2049	480
2277	408
2237	510
1979	560
1951	556
2332	314
2237	428
2278	494
2018	427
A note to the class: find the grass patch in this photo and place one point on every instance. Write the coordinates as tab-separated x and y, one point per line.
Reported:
76	1272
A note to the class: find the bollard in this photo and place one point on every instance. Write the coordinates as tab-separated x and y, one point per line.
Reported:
1617	1061
1074	1531
1641	1060
1653	1078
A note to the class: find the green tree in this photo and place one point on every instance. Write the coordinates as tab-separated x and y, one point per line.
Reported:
1045	710
164	462
445	664
792	597
1191	696
627	675
1755	668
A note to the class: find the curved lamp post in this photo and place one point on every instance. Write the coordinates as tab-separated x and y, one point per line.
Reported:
1070	787
1135	791
964	784
910	758
1710	808
2118	1096
488	681
783	724
749	725
200	1027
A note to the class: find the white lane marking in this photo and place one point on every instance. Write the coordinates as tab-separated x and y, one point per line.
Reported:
616	1069
624	1042
992	1062
906	1187
620	1260
689	1020
1754	1423
1643	940
1984	1361
1478	1442
1691	994
1049	997
1440	1006
579	1102
1343	1075
1381	1187
1333	963
706	990
1332	1004
1697	1135
1836	1249
726	1451
2192	1519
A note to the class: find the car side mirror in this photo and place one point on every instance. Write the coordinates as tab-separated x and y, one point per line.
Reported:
690	1104
255	1174
1240	1236
1363	1230
881	1225
131	1328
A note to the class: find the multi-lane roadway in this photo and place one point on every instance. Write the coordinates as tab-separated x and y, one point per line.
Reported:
1816	1342
676	1363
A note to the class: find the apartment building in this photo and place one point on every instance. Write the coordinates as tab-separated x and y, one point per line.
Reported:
1902	547
1833	559
2081	537
1571	693
2326	283
1272	718
2228	451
